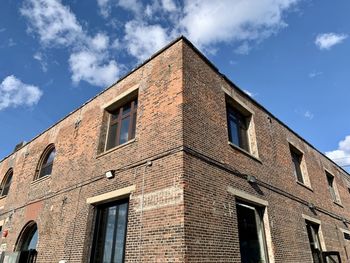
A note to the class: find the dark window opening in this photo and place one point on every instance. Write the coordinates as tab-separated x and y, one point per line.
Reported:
122	124
330	181
314	241
297	157
346	236
110	233
237	128
46	162
251	234
6	183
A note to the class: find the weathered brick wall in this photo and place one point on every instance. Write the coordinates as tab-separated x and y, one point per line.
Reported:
210	213
188	213
58	202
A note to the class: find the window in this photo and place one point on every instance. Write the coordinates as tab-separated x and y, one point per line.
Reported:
346	236
46	162
237	124
251	233
331	187
314	241
110	233
6	183
297	157
122	124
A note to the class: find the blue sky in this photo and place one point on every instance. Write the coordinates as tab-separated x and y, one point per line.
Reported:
292	56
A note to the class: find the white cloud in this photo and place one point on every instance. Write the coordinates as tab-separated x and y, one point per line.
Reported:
207	22
341	155
243	49
14	93
100	41
39	57
105	7
248	93
90	66
328	40
315	74
131	5
143	40
57	26
308	115
169	5
54	22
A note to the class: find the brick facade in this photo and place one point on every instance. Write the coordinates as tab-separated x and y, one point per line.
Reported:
183	172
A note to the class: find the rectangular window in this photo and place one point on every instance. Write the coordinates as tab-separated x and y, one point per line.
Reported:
297	157
122	124
314	241
330	181
110	233
251	233
237	128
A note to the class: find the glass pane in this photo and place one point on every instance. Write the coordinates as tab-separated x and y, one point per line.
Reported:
124	130
112	136
7	184
121	231
250	246
109	241
30	238
45	170
114	115
33	242
233	130
109	236
126	108
51	157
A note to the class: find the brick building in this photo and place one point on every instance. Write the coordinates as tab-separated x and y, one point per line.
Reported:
173	163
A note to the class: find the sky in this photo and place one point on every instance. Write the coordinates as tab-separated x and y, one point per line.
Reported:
292	56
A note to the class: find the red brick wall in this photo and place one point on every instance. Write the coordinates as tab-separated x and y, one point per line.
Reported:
188	214
210	216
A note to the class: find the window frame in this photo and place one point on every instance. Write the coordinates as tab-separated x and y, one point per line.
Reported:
6	183
332	187
241	128
259	212
297	159
42	164
97	224
132	114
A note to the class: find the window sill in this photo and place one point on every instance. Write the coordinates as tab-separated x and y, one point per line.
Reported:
39	180
305	186
338	204
116	148
245	152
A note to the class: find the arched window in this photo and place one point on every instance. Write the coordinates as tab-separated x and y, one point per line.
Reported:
28	238
46	162
6	183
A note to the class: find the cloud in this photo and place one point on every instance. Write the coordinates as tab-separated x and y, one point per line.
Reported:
328	40
248	93
208	22
308	115
315	74
169	5
143	40
39	57
90	66
341	155
54	22
243	49
58	27
14	93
